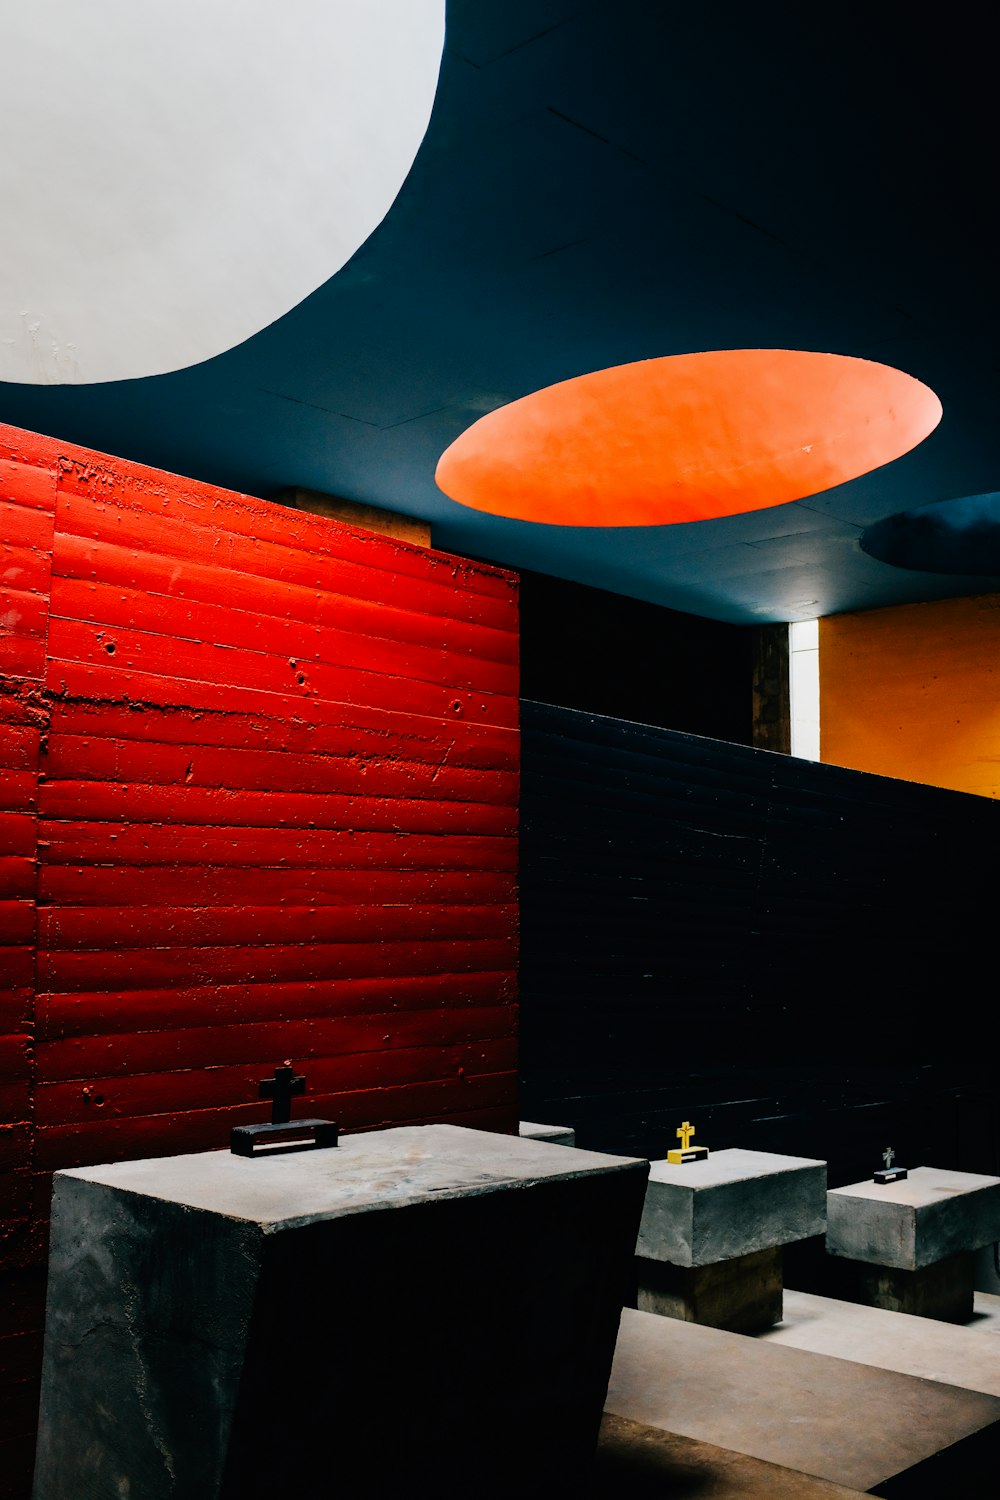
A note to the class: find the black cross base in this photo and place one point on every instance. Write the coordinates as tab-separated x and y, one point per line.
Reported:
278	1138
283	1133
890	1174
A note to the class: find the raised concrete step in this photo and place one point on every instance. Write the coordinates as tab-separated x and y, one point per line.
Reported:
867	1429
945	1352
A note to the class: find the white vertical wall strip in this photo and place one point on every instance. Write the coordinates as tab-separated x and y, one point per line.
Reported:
803	670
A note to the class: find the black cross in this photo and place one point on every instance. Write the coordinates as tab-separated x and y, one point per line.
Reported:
280	1089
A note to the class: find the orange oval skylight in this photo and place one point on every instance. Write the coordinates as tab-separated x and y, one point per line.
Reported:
687	438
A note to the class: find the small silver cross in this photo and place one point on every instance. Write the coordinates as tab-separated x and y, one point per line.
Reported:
887	1156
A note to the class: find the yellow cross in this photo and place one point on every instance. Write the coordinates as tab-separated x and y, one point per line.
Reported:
684	1135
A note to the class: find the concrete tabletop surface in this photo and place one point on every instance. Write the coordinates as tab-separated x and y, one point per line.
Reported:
732	1164
923	1187
929	1215
372	1170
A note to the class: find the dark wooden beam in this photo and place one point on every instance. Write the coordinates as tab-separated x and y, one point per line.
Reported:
772	723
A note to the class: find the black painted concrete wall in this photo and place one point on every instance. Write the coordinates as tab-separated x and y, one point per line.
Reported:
795	957
589	649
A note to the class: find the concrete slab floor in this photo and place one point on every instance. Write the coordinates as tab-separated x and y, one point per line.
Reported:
943	1352
643	1463
986	1313
864	1428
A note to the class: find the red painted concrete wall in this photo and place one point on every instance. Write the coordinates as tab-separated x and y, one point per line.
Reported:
259	800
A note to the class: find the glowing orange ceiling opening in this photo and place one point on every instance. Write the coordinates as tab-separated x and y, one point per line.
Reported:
687	438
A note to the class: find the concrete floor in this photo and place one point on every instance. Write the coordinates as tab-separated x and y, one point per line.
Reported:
839	1419
986	1313
950	1354
635	1462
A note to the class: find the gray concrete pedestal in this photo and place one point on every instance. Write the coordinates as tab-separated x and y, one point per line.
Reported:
553	1135
711	1236
912	1241
421	1310
943	1290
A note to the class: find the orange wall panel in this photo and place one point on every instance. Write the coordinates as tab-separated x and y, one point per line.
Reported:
914	692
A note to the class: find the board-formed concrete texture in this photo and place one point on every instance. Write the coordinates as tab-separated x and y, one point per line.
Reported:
731	1204
868	1429
931	1214
555	1135
427	1297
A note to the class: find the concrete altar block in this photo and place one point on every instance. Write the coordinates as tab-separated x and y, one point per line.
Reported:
555	1135
419	1310
914	1240
710	1238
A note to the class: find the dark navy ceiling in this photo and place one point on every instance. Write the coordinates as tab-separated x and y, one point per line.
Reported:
613	181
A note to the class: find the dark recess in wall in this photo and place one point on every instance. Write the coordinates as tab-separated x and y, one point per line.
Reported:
604	653
785	953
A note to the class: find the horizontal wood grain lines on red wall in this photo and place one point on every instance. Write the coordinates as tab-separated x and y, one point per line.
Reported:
26	528
482	1101
277	817
88	1013
337	1046
315	850
103	1112
83	761
27	505
217	596
153	968
151	512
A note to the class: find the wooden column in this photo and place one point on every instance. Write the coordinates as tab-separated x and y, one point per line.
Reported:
772	724
366	517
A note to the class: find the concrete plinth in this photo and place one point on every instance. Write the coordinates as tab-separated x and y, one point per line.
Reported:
554	1135
427	1302
913	1240
743	1294
943	1290
709	1245
930	1214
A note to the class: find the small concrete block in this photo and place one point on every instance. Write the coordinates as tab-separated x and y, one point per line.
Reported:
933	1213
743	1294
733	1204
554	1135
427	1303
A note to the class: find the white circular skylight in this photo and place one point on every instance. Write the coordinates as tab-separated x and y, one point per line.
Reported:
177	174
